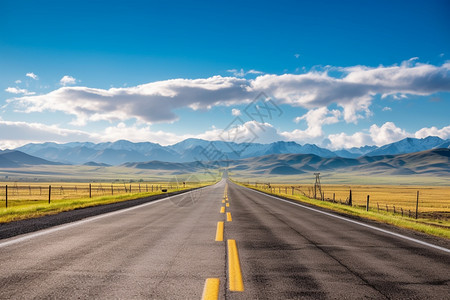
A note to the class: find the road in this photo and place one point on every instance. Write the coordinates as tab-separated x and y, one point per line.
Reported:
268	249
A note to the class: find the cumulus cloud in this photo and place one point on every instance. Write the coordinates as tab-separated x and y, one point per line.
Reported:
32	75
14	90
315	119
387	133
242	132
443	133
387	108
18	81
376	135
67	80
352	92
235	112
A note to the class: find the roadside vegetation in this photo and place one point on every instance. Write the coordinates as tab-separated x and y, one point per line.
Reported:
30	200
434	203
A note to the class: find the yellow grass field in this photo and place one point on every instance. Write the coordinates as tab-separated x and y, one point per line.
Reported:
26	193
434	201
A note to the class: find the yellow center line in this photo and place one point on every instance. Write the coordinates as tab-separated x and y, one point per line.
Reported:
228	204
229	217
211	289
219	232
234	268
222	209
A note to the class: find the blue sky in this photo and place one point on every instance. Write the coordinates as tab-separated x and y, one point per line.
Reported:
343	73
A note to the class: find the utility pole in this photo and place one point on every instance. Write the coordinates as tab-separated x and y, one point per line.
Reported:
317	186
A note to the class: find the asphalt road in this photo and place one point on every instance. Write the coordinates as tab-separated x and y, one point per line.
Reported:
167	249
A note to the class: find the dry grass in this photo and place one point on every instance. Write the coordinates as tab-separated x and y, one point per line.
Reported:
431	198
436	200
31	193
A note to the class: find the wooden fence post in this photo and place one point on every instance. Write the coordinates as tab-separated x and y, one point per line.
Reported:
350	199
49	193
90	190
6	196
367	205
112	189
417	205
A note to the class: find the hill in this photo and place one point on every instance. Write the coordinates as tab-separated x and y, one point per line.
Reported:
14	159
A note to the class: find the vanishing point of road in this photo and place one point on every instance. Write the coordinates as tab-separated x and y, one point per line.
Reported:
223	241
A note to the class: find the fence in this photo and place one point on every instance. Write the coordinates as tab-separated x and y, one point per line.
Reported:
430	203
21	194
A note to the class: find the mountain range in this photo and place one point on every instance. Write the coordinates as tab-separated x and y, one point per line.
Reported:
122	151
434	162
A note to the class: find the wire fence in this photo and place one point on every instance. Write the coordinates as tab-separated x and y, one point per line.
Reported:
15	194
412	202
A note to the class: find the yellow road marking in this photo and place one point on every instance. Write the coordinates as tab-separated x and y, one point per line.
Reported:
234	268
228	204
211	289
219	232
222	209
229	217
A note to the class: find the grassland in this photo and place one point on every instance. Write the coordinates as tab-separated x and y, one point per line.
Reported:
30	200
434	203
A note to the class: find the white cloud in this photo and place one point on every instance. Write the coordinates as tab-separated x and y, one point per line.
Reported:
242	73
251	131
297	55
14	134
152	102
32	75
14	90
344	141
67	80
387	108
353	92
387	133
315	119
235	112
18	81
443	133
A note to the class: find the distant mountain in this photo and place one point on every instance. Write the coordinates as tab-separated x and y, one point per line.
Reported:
409	145
14	159
435	162
189	150
94	164
355	152
122	151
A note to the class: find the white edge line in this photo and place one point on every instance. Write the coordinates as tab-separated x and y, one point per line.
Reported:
358	223
28	236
